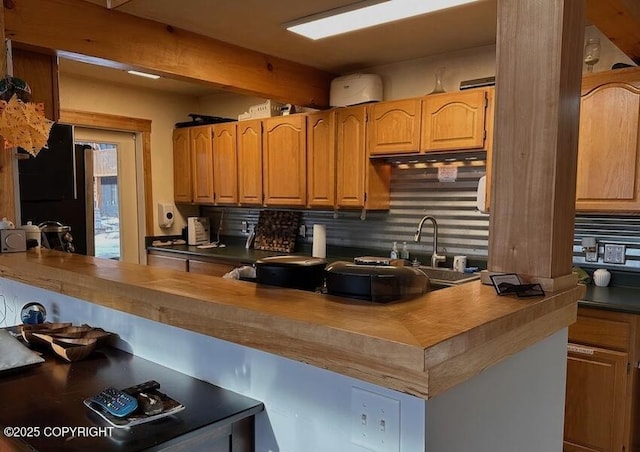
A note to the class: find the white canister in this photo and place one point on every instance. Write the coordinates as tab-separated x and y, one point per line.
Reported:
459	263
32	232
6	224
601	277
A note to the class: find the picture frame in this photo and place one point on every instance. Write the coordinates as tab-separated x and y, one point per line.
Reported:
503	283
509	284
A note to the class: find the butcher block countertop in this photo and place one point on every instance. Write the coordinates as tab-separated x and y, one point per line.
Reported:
422	347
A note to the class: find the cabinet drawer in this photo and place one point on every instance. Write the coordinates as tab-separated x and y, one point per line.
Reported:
607	333
209	268
173	263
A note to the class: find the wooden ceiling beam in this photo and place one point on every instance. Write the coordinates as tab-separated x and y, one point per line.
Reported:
618	20
106	35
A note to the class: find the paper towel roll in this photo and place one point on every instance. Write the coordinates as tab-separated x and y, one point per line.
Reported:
319	241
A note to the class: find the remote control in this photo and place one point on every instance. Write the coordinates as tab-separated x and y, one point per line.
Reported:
116	402
142	387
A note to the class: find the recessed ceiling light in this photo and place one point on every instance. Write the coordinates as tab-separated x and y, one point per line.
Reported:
365	14
144	74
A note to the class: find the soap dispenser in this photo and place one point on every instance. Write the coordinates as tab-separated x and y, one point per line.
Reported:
394	251
404	253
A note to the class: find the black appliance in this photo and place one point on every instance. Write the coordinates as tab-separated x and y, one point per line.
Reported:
57	236
379	283
295	272
52	186
201	120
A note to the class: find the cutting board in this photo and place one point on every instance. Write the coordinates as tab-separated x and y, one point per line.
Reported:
277	231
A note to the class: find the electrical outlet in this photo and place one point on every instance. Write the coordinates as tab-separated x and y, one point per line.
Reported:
244	227
375	421
302	231
614	254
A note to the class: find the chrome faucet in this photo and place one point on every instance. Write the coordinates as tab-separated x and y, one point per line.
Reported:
435	257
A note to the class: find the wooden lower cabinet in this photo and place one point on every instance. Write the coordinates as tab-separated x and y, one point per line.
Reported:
210	267
172	263
602	374
595	400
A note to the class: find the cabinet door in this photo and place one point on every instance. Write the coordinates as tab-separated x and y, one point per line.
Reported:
489	144
225	164
172	263
351	157
202	164
182	187
284	161
595	400
454	121
210	268
609	149
321	160
394	127
250	162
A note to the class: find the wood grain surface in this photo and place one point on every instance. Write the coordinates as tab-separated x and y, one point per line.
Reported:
536	139
422	346
95	34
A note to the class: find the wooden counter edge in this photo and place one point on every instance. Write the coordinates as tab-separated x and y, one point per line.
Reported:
409	371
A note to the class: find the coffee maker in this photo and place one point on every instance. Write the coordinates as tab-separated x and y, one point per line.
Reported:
57	236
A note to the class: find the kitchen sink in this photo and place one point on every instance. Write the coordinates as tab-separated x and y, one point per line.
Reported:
448	277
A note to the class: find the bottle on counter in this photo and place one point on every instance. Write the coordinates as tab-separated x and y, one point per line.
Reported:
404	253
394	251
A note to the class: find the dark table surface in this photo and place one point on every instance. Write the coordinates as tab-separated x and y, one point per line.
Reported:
51	395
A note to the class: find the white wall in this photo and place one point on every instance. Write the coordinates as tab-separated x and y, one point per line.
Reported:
163	109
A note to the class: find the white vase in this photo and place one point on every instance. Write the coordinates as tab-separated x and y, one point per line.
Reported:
601	277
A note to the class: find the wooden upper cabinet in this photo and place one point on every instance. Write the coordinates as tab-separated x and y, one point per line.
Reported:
491	108
351	156
225	163
284	161
321	159
249	147
361	183
202	164
394	127
182	186
454	121
609	148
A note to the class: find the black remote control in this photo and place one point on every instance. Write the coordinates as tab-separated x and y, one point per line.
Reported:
116	402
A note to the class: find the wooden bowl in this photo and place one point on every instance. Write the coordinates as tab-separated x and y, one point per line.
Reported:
73	349
73	331
99	334
44	328
94	333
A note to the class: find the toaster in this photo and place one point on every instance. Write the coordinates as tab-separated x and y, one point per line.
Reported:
13	240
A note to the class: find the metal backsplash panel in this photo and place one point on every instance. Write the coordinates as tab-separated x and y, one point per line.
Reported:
415	192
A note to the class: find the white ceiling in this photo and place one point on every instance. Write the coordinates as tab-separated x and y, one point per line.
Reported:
258	25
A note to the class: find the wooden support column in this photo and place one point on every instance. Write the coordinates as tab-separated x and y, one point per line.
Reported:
538	75
7	198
